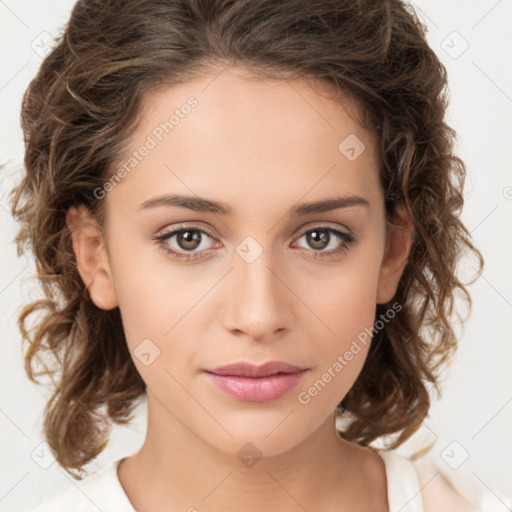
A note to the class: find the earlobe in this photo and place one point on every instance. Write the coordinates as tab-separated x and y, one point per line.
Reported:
91	257
396	256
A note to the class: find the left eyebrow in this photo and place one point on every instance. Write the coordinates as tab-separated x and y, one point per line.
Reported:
328	204
201	204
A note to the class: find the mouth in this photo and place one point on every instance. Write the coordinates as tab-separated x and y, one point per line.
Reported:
252	383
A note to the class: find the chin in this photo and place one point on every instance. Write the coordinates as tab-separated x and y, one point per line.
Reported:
260	433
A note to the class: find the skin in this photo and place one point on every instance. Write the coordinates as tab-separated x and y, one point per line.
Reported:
261	147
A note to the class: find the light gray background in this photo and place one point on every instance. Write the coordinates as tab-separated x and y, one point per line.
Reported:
474	416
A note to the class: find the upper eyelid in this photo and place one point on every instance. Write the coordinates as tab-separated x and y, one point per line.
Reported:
176	229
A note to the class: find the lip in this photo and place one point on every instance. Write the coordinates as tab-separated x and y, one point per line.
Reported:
251	370
253	383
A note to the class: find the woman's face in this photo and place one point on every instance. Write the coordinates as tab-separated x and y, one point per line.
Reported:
281	257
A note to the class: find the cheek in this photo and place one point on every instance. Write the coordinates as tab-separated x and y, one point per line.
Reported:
152	293
344	302
345	306
155	300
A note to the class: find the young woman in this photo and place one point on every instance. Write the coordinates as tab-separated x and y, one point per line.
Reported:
247	211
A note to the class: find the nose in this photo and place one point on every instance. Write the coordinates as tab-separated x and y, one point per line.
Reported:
258	304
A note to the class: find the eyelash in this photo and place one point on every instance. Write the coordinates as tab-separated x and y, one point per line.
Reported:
347	238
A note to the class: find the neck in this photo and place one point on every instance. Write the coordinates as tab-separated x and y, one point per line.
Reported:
176	470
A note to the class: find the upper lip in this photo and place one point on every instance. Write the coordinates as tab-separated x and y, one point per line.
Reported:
250	370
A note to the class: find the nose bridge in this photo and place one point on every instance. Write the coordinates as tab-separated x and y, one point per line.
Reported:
257	304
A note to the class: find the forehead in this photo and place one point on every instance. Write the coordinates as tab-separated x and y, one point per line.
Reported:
242	135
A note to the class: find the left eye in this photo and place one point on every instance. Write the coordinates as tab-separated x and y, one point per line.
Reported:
191	241
321	238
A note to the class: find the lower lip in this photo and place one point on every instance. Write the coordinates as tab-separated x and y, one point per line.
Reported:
257	389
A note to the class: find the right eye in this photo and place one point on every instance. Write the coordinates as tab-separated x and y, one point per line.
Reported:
188	241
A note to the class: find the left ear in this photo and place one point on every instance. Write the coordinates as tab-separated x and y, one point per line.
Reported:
396	255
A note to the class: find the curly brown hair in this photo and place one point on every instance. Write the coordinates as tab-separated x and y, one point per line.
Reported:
80	110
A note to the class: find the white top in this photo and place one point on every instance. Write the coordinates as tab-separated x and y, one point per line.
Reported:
102	492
